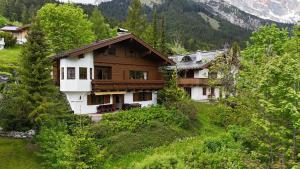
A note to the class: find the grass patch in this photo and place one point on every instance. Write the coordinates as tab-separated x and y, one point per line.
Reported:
15	153
212	22
206	129
10	56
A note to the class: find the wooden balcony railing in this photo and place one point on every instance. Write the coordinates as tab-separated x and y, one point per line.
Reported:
193	82
104	85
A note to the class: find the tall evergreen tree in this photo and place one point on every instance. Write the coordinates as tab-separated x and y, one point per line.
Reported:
101	29
163	46
154	29
136	19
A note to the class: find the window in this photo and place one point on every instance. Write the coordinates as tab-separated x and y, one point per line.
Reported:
96	100
204	91
71	72
142	96
91	73
62	73
138	75
83	73
103	73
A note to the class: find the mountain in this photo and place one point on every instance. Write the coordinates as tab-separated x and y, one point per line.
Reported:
285	11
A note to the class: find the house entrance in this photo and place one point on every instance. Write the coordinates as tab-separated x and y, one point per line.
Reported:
118	101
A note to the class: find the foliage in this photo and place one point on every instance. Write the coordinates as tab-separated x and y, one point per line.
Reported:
3	21
160	162
101	29
135	119
18	153
227	67
9	39
60	148
171	93
156	135
66	26
136	19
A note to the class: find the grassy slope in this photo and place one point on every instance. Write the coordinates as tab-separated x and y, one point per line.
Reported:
206	130
17	154
10	56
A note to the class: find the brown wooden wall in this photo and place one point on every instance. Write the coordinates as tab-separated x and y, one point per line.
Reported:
128	58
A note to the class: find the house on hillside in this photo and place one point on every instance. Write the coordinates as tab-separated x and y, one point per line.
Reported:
110	74
19	33
194	74
2	43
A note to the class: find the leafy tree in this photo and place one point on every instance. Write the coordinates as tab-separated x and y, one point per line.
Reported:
227	66
66	26
136	20
101	29
3	21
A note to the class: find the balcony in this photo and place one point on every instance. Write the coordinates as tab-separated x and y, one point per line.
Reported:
187	82
107	85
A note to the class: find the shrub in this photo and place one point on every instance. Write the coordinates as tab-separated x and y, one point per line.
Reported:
135	119
160	162
9	39
126	142
186	107
60	149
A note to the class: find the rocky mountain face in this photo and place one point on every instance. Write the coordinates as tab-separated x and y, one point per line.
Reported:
285	11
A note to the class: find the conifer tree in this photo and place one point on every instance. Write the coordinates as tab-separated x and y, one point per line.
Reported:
101	29
154	29
163	47
136	19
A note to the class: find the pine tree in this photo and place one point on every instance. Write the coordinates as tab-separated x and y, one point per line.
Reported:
101	29
35	77
136	19
154	29
162	47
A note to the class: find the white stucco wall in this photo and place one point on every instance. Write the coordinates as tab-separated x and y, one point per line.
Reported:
201	73
197	93
77	85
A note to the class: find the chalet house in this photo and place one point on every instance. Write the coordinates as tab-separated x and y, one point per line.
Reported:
2	43
110	74
19	33
194	74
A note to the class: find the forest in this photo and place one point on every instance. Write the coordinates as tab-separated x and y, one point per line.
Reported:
256	124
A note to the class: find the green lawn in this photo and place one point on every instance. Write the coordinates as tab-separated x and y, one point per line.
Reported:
17	154
10	56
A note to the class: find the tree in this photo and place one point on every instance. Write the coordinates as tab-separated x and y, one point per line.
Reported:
162	44
136	20
9	39
3	21
66	26
154	29
227	65
101	29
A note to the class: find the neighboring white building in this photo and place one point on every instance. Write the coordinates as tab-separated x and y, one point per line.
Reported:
2	43
193	72
19	33
109	75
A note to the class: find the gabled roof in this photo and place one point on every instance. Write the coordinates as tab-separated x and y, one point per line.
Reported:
14	28
198	60
107	42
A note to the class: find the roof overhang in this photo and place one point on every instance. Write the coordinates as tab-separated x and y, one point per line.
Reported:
103	43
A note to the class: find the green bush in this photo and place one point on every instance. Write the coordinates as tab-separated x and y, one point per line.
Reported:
135	119
186	107
160	162
9	39
61	149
